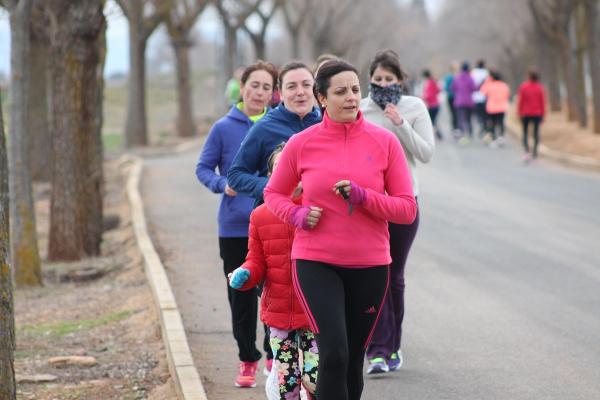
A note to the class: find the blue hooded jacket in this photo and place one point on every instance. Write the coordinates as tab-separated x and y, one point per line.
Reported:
222	144
276	127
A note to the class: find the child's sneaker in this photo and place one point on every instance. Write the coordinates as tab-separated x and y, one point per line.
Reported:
268	366
377	366
247	375
396	361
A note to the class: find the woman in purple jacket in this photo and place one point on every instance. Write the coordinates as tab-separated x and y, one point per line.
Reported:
258	81
463	87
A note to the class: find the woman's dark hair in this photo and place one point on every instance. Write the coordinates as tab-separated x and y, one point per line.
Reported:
533	74
292	65
465	67
260	65
497	76
327	70
389	60
271	160
426	74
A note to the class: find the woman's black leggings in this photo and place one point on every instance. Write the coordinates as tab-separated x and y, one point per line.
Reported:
342	306
536	133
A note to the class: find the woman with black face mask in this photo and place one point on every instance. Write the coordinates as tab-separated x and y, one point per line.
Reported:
407	117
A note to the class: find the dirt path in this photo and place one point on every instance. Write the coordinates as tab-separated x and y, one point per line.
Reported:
111	319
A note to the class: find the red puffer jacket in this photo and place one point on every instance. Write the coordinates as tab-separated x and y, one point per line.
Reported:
269	259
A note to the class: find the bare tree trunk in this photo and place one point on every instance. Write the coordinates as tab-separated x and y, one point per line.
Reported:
142	22
258	38
230	50
578	26
547	60
39	144
294	26
94	185
552	79
77	38
185	115
295	44
231	23
7	316
180	21
136	133
258	41
24	248
593	23
568	70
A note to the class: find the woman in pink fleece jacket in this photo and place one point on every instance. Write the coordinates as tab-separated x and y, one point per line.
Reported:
355	179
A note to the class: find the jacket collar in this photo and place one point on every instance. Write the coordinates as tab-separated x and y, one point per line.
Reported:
313	116
353	128
238	115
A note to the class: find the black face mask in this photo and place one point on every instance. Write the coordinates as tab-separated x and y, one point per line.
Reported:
382	96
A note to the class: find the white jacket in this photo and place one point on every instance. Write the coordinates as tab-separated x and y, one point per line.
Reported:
415	133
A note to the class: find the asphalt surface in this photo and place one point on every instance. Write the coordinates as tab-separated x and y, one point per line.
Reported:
503	282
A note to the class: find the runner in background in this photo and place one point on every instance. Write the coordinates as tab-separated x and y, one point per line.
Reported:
224	139
431	92
407	117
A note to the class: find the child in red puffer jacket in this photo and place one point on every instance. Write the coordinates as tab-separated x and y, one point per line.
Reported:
269	260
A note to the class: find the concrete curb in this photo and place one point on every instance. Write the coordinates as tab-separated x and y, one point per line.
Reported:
572	160
181	365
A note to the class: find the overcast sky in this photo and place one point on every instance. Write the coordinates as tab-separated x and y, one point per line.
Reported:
117	59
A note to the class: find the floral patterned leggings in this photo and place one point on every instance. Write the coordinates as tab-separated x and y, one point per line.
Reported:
295	361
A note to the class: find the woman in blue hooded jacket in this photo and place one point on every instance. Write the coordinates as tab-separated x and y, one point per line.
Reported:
296	112
257	84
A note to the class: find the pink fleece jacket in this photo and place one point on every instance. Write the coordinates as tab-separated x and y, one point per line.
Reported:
326	153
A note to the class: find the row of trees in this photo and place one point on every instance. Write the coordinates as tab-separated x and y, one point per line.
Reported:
69	116
329	27
570	31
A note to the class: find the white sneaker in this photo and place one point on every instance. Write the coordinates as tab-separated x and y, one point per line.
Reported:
272	385
501	141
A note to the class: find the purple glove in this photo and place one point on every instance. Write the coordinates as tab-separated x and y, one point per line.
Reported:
299	217
358	195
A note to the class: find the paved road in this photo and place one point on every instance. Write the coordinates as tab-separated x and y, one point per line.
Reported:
503	290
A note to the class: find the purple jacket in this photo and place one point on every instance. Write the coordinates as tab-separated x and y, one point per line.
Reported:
463	87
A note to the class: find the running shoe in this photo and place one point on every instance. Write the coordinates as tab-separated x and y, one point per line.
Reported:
396	360
268	366
247	375
377	365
